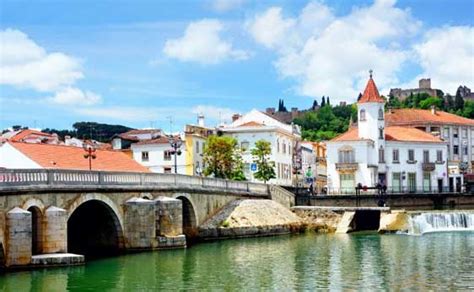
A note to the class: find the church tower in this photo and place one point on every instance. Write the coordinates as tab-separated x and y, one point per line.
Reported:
371	118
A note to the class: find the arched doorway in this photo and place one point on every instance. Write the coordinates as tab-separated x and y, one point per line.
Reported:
189	218
36	230
94	230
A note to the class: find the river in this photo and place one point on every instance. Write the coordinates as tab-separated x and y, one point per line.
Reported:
362	261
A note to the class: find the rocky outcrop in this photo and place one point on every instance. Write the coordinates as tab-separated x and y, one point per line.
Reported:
247	218
318	219
393	222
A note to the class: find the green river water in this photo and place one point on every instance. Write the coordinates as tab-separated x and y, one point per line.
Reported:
371	262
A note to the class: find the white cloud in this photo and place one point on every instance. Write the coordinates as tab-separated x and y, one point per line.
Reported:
447	57
23	63
331	55
226	5
202	43
75	96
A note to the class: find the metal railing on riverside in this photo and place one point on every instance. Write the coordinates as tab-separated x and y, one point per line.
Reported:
394	191
54	177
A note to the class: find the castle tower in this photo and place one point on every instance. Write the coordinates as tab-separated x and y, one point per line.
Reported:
371	117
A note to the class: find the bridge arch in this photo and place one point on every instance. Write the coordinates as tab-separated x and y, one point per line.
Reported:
36	208
94	226
190	216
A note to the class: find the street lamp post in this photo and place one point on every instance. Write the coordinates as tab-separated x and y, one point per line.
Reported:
175	145
90	153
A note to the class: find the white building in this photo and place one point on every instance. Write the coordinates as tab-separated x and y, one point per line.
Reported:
156	154
456	130
284	138
401	158
308	161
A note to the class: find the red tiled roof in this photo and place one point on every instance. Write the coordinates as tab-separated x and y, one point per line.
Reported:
402	134
406	134
407	117
25	133
69	157
251	124
159	140
371	93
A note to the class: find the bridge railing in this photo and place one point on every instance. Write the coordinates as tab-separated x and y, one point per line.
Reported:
55	177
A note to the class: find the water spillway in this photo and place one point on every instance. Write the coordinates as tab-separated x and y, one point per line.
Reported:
440	222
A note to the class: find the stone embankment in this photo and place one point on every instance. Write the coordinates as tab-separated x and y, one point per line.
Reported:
250	218
321	219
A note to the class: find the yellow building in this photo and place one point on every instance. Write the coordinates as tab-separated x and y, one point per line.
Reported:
195	139
319	149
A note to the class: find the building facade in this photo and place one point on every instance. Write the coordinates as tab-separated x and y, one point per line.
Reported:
284	139
456	131
403	159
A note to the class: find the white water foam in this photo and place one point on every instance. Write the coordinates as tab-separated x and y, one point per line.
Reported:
440	222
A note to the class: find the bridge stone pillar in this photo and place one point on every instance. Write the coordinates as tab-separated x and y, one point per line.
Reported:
169	213
140	224
55	230
18	237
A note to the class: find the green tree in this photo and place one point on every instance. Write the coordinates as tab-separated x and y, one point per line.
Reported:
323	101
427	103
468	111
265	168
221	158
449	102
238	166
458	101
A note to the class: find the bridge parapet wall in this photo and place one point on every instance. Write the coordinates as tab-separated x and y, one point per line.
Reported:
50	179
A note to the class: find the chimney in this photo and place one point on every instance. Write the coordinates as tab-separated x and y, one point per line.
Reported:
270	110
235	117
433	110
201	120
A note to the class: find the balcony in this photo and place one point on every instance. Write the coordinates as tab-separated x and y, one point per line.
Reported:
428	166
351	166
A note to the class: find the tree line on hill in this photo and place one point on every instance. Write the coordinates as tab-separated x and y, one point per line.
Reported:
90	131
452	104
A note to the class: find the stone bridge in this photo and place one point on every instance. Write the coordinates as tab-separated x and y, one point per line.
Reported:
99	213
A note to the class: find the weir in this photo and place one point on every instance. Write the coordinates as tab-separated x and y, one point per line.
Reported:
440	222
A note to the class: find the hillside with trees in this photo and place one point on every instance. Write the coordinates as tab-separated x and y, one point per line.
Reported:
91	130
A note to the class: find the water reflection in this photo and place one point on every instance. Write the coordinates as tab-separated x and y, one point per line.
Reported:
337	262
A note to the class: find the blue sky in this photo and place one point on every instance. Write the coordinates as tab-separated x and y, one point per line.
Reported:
138	63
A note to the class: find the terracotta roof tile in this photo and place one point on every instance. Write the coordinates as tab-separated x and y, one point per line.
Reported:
25	133
402	134
159	140
407	117
371	93
251	124
69	157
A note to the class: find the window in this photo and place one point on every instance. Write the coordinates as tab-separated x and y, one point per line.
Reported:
464	133
446	132
167	169
197	147
412	182
464	150
456	150
426	181
411	155
396	182
278	146
426	156
167	155
362	115
244	146
455	132
439	156
381	155
381	133
472	153
145	156
346	156
289	149
284	148
395	156
347	181
381	114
